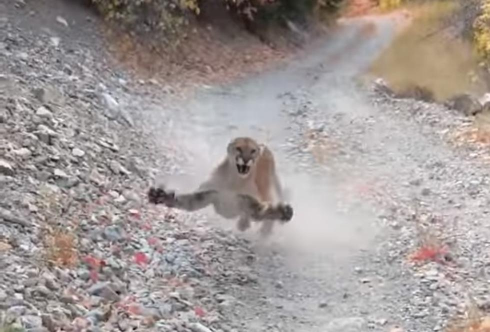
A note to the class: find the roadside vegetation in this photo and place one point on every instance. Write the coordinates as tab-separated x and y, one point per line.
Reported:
172	16
431	53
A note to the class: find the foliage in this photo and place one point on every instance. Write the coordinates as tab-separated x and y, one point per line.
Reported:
61	248
423	55
149	15
482	30
171	15
389	4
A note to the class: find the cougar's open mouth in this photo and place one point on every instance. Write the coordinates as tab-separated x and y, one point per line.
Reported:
243	169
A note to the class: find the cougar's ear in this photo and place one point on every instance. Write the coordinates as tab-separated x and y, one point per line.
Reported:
261	148
229	147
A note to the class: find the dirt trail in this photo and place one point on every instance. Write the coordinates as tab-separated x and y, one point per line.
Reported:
322	271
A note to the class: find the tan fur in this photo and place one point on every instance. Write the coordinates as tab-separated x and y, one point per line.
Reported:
254	194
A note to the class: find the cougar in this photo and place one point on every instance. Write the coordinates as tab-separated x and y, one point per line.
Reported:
244	185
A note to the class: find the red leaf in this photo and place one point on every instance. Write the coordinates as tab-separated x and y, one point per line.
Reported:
140	258
199	312
428	253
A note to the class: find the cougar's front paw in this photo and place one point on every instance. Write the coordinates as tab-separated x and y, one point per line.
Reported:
160	196
286	212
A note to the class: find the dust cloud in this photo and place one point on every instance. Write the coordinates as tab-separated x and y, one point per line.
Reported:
321	222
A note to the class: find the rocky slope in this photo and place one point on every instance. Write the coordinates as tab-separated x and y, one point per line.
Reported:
79	247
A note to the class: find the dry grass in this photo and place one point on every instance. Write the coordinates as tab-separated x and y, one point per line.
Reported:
424	54
61	248
430	248
472	135
481	325
474	320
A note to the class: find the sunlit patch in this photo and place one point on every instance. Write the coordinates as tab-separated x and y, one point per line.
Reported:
474	319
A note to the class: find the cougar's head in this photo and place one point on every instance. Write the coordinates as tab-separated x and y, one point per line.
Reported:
243	153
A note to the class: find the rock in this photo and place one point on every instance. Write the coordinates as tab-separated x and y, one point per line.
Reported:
49	322
23	153
131	196
45	134
48	95
4	115
77	152
486	108
50	281
136	165
198	327
349	324
416	92
6	168
112	106
32	322
3	295
323	305
117	168
44	113
55	41
397	329
58	173
16	311
484	99
114	233
381	86
20	4
9	217
464	103
113	110
105	290
42	292
224	300
62	21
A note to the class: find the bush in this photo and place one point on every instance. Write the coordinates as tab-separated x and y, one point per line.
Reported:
482	30
171	15
148	15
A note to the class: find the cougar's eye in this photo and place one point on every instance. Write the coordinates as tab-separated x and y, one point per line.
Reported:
239	150
253	151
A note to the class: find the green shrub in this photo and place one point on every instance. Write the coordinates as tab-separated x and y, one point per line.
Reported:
148	15
171	15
